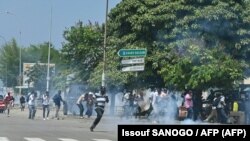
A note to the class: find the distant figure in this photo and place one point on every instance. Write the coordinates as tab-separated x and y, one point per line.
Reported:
22	103
57	100
213	113
221	113
188	103
101	99
45	103
9	102
90	99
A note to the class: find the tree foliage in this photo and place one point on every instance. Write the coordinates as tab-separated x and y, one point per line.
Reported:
83	49
9	63
204	46
84	52
194	44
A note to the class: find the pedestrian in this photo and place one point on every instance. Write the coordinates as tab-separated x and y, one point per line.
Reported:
100	99
57	100
89	104
9	102
80	105
221	113
22	102
45	103
188	103
32	104
213	113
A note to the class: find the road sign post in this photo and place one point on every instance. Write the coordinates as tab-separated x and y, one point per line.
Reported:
132	52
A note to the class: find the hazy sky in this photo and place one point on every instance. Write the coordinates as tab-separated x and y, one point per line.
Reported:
28	21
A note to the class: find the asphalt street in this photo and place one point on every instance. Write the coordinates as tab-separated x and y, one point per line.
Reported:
18	127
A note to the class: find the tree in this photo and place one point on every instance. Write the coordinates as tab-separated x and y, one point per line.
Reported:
39	53
134	24
191	44
206	44
9	63
83	49
194	44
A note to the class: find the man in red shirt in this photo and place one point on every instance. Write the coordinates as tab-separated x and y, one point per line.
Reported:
9	101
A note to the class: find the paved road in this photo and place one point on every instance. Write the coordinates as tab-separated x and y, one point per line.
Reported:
18	127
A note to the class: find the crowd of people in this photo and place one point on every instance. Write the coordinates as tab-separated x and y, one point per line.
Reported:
166	105
160	105
93	101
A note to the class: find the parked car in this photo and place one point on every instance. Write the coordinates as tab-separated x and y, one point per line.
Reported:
2	104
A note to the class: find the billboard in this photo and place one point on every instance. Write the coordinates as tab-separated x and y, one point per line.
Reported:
26	68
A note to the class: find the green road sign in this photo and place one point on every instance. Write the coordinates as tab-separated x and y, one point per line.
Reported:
132	52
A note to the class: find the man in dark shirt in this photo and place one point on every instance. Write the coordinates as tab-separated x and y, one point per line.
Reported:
57	100
22	103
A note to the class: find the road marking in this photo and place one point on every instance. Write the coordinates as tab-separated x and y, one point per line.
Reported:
4	139
34	139
66	139
101	140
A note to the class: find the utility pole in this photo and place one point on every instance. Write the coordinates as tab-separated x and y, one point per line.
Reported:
20	67
104	46
48	68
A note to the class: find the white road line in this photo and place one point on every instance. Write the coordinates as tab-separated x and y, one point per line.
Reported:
4	139
101	140
33	139
66	139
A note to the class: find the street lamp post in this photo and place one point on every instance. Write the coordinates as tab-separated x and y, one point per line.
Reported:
48	68
104	46
20	68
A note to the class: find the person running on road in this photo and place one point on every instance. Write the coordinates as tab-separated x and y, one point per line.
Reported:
100	100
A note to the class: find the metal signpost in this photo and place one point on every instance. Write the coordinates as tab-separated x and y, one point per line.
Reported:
135	63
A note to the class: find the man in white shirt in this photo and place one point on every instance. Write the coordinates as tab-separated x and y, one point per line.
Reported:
46	105
31	105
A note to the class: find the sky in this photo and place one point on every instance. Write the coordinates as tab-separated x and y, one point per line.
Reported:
29	21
